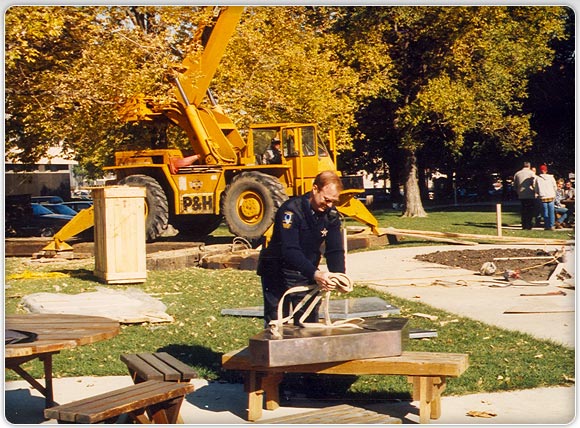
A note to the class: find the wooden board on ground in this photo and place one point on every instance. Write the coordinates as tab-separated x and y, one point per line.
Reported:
337	415
479	238
542	307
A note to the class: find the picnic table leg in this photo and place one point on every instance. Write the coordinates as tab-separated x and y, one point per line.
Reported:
46	389
439	385
270	385
255	396
47	362
167	412
426	390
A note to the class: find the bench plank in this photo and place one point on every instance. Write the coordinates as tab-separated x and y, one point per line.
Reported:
187	372
157	366
136	398
408	363
169	373
139	368
338	415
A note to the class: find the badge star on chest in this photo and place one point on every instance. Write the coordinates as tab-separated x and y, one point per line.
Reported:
324	232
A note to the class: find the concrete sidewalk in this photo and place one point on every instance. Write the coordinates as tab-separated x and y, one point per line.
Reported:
224	404
465	292
395	271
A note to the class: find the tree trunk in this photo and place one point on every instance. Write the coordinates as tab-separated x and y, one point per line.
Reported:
413	204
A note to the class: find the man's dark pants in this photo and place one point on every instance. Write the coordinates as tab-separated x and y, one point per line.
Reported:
528	212
273	290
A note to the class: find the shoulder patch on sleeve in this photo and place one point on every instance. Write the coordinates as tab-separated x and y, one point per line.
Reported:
287	220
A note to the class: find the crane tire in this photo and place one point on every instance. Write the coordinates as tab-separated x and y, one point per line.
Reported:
157	208
249	203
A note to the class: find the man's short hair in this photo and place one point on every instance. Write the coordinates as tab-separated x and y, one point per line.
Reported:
328	177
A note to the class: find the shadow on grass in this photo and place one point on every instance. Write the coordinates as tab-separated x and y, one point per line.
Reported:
478	225
82	274
480	208
194	355
207	362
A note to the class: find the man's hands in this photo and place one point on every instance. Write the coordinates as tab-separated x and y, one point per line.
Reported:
323	280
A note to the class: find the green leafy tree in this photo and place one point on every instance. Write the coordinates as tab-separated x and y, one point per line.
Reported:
283	66
462	75
69	69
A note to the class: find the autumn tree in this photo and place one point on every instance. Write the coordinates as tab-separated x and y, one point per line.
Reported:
283	66
70	68
462	74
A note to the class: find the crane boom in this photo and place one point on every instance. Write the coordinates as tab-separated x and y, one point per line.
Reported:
199	70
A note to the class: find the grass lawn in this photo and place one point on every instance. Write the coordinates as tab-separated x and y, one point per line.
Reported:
499	359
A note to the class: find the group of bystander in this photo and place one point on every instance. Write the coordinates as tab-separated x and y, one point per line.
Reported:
543	198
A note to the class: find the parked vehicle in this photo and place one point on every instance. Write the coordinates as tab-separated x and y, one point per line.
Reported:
78	205
61	209
47	199
33	220
82	194
374	196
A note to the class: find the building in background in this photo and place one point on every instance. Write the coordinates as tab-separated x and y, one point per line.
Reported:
51	175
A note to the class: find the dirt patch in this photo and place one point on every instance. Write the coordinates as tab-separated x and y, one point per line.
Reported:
529	269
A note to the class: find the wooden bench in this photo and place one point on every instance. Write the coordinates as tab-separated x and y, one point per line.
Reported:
161	400
158	366
427	371
336	415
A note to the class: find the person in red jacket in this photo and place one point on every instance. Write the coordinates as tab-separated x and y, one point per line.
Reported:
545	188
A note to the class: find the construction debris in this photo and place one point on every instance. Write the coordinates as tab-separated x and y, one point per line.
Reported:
488	268
430	317
549	293
456	238
480	414
126	306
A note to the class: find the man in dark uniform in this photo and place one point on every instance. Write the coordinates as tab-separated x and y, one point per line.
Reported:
302	225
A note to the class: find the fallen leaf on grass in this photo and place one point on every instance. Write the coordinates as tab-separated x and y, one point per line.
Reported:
480	414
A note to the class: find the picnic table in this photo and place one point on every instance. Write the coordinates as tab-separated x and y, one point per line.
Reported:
32	336
426	371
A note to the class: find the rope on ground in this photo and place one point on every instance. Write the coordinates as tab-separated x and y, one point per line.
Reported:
31	275
343	284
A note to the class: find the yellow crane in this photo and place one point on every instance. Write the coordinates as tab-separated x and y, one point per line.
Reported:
225	179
